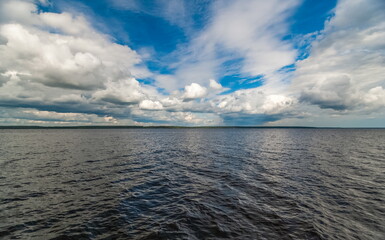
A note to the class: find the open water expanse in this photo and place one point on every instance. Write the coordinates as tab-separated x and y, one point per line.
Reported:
199	183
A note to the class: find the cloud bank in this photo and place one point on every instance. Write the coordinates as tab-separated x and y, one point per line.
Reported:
57	68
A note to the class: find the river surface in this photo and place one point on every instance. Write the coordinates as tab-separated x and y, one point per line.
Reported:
198	183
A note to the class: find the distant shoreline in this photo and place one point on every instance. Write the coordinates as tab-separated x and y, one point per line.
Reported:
187	127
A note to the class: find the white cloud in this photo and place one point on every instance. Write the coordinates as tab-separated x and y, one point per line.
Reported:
60	49
274	104
346	67
250	31
123	91
194	91
67	23
44	2
179	117
171	102
253	30
59	60
199	119
255	101
17	11
375	97
64	61
177	12
167	81
215	85
150	105
33	116
59	116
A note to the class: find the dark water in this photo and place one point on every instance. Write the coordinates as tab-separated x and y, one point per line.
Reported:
192	184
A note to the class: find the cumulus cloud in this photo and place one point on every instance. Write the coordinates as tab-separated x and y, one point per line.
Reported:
375	97
60	49
59	61
17	11
181	117
123	91
274	104
56	68
150	105
194	91
345	69
171	101
254	101
64	61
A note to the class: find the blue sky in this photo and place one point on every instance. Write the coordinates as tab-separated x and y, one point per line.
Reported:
192	63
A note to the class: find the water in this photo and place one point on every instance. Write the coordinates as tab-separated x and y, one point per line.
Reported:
192	184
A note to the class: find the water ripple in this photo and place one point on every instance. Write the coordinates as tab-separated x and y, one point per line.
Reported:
192	184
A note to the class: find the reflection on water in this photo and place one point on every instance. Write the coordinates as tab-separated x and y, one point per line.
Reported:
192	183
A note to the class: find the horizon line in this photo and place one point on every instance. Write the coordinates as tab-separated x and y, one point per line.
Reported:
171	126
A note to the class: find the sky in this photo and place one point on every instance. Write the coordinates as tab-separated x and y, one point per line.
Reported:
192	62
